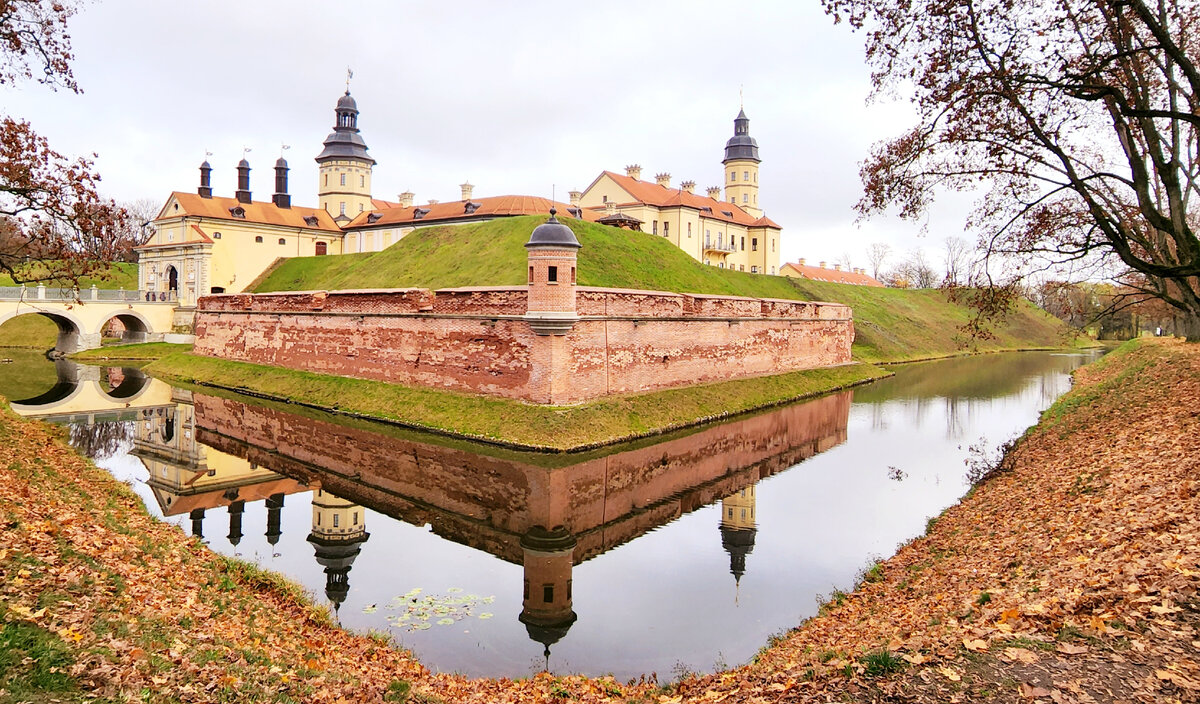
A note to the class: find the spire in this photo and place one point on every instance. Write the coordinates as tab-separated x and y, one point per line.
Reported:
741	145
205	189
345	141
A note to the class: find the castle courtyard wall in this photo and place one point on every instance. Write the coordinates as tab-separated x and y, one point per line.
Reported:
475	339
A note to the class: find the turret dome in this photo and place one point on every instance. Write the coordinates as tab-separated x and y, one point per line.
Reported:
552	233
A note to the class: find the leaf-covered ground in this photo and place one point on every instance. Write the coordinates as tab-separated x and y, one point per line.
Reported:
1069	574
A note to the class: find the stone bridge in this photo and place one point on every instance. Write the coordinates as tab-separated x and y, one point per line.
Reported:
81	316
79	395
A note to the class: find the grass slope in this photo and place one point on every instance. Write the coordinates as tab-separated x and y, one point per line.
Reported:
118	275
891	324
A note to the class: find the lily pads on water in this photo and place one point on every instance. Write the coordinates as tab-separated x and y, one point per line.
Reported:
413	611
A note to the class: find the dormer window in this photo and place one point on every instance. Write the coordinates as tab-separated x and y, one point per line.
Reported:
237	211
727	213
706	209
420	213
575	212
374	218
311	221
470	207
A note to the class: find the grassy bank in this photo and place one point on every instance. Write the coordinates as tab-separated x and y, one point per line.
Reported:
512	423
1070	573
892	324
143	352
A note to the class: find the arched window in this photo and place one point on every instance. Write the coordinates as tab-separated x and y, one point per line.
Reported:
322	249
282	241
258	239
216	235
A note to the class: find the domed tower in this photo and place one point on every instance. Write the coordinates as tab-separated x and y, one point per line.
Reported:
547	606
552	252
338	531
738	529
741	167
344	167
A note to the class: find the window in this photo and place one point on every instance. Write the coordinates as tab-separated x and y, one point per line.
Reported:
654	228
721	264
741	267
362	181
530	274
754	244
258	239
322	249
360	207
743	247
552	274
745	175
689	229
572	276
603	199
282	241
326	179
526	590
772	271
216	235
666	228
753	269
772	247
745	197
342	208
343	179
335	520
170	236
732	175
547	593
355	518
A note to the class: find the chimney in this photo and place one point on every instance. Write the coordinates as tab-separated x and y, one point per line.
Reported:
714	192
281	199
688	186
663	179
205	189
610	208
406	199
801	262
433	201
243	190
837	267
575	197
822	265
467	190
634	171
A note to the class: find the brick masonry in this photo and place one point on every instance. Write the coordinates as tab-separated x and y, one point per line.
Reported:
476	340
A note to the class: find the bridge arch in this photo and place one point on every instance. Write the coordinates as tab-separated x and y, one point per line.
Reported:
133	383
136	327
71	330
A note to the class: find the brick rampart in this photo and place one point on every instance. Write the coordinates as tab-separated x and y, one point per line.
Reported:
475	340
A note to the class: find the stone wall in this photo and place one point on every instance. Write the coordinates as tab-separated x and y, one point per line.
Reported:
475	340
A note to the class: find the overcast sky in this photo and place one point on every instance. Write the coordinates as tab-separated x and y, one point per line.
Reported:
518	98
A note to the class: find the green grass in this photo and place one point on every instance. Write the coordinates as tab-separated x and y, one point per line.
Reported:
29	331
892	325
118	275
142	352
33	660
512	423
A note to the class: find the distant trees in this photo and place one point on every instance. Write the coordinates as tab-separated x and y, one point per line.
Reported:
1080	119
53	222
877	255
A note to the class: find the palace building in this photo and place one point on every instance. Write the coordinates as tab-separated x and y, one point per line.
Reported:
205	243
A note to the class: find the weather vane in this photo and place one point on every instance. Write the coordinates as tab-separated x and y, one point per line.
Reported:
283	148
245	151
349	75
207	154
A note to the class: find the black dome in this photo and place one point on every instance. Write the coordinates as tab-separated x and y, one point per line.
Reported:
741	145
281	163
552	233
346	102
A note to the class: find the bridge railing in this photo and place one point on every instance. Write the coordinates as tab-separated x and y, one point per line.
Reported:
55	293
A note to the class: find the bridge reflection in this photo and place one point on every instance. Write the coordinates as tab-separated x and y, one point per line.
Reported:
95	394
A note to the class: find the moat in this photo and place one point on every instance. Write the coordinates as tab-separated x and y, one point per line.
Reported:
683	553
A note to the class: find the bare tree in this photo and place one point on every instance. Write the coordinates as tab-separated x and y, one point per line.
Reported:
958	261
1079	118
877	255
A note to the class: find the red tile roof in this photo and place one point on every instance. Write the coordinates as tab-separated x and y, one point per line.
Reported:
492	206
817	273
218	208
663	197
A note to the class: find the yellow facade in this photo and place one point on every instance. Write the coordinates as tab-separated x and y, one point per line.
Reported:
344	187
336	518
741	185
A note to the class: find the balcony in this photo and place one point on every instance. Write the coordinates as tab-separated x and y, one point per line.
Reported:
719	246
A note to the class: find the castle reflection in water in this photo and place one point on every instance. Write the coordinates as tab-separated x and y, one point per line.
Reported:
547	513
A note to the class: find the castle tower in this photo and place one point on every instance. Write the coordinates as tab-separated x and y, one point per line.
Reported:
738	529
552	251
338	531
546	609
344	167
741	167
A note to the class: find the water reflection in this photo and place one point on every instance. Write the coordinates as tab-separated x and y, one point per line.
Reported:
688	549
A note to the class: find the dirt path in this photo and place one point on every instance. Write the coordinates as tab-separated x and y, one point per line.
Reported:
1068	575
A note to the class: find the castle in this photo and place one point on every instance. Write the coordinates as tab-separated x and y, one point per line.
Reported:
205	243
